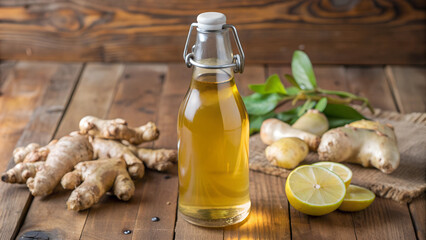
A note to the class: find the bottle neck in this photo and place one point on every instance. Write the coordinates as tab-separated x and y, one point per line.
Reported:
213	48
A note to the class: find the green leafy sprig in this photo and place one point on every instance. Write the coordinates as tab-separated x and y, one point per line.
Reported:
267	97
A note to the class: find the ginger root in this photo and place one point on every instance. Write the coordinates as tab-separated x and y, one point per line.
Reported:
20	153
273	130
113	149
30	159
370	148
313	121
386	129
158	159
287	152
92	179
42	168
66	153
21	172
33	152
117	129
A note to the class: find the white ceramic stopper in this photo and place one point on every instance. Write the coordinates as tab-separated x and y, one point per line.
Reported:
211	20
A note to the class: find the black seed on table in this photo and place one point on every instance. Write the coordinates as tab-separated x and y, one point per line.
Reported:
166	177
127	232
155	219
31	235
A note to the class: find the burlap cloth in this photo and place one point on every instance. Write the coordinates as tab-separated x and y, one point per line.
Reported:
404	184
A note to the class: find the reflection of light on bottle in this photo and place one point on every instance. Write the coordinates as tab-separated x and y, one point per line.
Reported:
193	104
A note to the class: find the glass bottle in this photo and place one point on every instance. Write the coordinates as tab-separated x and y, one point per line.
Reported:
213	130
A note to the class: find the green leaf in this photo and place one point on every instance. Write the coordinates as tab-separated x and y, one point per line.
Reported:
288	116
321	105
257	120
338	122
272	85
342	111
338	93
303	73
259	104
305	107
339	115
292	91
291	80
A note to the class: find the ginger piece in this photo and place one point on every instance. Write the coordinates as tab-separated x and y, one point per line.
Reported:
158	159
66	153
103	148
287	152
20	153
92	179
273	130
33	152
367	147
386	129
313	121
117	129
22	171
40	154
30	159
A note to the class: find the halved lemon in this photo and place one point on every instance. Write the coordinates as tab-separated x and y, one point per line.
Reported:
344	172
357	199
314	190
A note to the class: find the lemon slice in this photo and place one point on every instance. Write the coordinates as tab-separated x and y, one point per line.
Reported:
357	199
314	190
344	172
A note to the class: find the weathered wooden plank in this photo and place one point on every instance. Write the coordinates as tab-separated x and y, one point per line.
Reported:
47	88
185	230
269	217
371	82
5	68
384	219
93	95
409	87
161	190
137	101
17	91
21	92
332	32
418	210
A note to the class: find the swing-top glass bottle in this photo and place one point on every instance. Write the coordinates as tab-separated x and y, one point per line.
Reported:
213	129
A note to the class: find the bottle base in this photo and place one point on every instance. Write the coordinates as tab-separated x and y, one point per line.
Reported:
205	217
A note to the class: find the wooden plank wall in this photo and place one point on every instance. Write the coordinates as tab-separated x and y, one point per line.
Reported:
331	31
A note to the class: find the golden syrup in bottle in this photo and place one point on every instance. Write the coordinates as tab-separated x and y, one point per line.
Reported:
213	132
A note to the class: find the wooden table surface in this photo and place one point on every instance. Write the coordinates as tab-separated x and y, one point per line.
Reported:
40	101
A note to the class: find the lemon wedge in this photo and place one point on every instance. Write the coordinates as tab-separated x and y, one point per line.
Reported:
314	190
357	199
344	172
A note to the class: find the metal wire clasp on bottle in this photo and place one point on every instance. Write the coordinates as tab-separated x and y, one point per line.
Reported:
238	59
